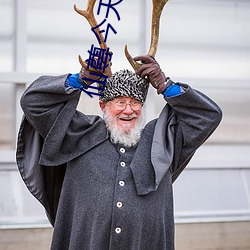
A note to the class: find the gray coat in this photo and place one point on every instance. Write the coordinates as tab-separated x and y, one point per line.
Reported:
99	195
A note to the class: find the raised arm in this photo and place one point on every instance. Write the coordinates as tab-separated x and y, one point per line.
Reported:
197	116
44	99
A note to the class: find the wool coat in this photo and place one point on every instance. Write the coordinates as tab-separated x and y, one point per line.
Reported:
99	195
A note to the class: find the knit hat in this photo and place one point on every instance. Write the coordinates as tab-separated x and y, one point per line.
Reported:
125	83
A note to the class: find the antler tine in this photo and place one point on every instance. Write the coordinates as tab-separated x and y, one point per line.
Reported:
158	6
135	65
89	15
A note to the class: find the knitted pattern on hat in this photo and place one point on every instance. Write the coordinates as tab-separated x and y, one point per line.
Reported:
125	83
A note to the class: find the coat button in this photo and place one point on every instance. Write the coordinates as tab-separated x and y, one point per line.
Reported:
121	183
123	164
118	230
119	204
122	150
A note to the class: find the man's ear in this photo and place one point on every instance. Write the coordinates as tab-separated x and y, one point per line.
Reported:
102	105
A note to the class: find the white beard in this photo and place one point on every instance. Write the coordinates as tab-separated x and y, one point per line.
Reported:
127	139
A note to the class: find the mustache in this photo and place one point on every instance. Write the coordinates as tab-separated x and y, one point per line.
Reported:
122	116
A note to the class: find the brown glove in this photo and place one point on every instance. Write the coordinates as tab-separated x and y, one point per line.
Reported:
151	69
86	73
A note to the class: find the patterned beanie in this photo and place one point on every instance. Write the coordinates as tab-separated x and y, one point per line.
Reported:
125	83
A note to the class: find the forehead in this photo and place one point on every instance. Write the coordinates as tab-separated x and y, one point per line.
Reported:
124	98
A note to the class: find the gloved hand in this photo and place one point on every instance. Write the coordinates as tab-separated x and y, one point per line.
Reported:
151	69
87	73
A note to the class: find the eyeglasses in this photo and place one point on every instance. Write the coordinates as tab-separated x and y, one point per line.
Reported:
121	105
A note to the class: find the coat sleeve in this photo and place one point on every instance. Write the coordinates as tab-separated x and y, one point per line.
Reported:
44	99
197	117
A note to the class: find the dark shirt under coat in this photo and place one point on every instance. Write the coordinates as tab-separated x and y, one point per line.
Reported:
99	195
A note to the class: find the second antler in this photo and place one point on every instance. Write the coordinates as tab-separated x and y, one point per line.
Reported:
89	15
158	6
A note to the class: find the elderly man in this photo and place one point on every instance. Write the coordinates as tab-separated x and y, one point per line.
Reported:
107	183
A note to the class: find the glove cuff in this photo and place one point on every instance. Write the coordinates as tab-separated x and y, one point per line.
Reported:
165	85
80	78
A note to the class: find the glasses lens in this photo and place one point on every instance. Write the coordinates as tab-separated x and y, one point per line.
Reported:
120	105
135	105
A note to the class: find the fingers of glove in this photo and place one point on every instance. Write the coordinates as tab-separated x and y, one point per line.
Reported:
97	66
142	68
94	70
85	75
153	72
145	59
148	73
107	57
93	65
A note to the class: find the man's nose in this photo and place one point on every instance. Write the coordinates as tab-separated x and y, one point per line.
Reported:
128	110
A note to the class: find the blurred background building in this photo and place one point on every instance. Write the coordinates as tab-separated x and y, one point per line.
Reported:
205	43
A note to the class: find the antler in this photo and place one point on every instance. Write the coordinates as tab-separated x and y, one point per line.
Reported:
89	15
158	6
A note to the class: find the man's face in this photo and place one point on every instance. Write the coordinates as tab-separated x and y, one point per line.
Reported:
126	118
